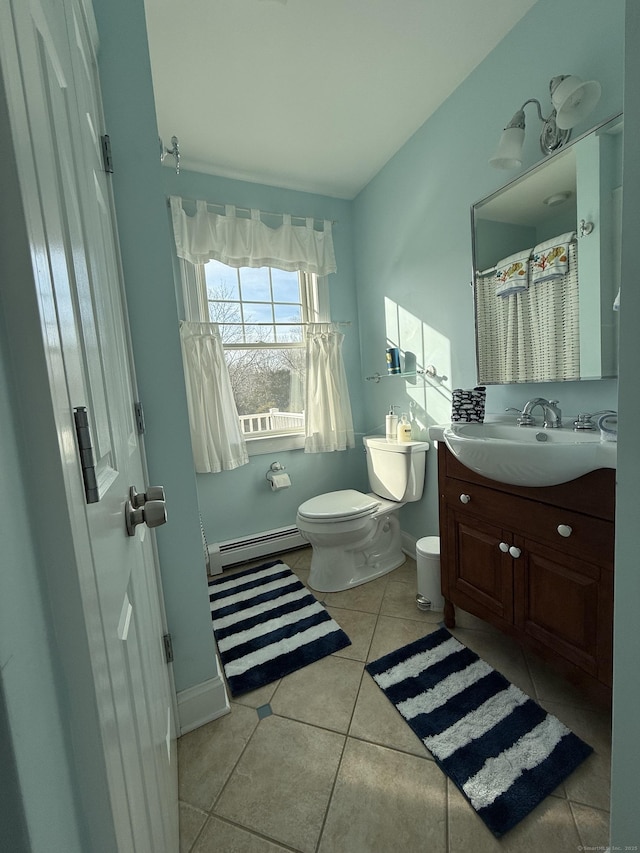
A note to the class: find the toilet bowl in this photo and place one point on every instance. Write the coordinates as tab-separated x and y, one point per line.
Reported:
355	536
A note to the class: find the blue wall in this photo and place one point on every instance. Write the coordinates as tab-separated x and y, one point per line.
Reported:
625	820
147	259
413	239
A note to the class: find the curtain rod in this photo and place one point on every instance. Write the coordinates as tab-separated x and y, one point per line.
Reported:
263	212
279	323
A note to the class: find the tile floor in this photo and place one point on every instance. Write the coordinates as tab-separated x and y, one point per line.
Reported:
321	762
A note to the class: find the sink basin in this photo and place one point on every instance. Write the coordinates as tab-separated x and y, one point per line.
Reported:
527	456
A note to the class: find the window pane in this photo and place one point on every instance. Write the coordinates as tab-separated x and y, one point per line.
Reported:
289	334
268	386
255	284
262	334
286	286
230	334
287	313
222	281
258	312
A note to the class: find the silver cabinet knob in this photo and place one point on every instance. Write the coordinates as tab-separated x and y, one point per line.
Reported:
153	493
465	499
565	530
504	547
515	552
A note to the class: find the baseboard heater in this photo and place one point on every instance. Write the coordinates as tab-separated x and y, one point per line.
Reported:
252	547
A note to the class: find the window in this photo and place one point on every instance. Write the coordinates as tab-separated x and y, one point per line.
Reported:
262	314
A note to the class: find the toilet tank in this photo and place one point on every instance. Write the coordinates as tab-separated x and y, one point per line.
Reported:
396	469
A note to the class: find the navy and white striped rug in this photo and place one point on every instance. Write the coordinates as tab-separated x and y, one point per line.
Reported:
502	750
267	624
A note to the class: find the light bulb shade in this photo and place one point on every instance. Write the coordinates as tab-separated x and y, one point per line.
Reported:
509	152
573	99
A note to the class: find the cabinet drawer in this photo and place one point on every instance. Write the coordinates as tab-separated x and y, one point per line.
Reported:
588	537
593	494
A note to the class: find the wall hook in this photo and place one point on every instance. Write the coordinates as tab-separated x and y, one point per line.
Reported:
174	151
585	228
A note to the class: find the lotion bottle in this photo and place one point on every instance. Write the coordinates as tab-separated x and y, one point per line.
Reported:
404	428
391	422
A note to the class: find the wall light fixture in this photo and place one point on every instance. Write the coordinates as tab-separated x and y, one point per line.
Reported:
572	101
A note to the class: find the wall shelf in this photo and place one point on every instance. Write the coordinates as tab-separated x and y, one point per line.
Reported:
429	370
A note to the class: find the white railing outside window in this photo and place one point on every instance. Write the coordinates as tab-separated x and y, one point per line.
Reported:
271	421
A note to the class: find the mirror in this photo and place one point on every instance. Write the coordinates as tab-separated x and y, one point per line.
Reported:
562	325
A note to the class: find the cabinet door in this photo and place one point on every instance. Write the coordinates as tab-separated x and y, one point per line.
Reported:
564	605
477	574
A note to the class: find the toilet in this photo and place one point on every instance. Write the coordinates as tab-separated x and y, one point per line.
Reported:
355	537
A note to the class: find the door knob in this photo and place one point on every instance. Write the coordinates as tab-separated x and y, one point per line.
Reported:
504	547
565	530
139	499
144	509
515	552
465	499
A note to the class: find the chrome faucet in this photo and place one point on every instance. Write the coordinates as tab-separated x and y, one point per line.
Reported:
551	413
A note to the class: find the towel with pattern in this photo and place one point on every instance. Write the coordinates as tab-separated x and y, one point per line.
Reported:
551	259
512	273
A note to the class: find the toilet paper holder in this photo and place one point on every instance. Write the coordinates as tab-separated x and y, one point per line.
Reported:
273	469
275	478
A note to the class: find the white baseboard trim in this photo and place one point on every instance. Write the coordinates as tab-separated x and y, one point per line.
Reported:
201	704
245	548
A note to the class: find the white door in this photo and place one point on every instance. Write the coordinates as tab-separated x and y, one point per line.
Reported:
47	50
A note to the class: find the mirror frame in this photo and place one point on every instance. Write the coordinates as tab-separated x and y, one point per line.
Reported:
520	178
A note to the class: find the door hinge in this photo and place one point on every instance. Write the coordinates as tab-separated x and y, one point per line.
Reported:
107	162
139	413
87	462
168	648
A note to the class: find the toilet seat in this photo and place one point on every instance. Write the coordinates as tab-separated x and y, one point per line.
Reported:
334	506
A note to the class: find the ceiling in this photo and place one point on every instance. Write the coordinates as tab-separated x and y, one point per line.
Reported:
312	95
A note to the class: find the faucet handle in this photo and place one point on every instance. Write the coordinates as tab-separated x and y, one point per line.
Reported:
522	419
584	421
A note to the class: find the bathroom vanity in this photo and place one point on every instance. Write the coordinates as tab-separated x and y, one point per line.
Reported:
535	562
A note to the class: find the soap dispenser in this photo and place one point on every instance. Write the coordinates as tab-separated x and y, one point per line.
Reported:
392	424
404	428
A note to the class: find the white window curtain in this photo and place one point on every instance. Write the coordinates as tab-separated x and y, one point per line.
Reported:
218	444
328	419
247	242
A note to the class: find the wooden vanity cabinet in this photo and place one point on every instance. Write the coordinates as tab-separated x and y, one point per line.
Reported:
535	562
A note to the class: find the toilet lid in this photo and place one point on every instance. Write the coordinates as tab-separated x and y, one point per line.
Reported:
347	503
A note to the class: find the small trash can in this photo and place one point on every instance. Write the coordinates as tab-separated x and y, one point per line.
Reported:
429	596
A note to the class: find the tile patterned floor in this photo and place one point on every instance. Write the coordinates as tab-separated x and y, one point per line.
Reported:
321	762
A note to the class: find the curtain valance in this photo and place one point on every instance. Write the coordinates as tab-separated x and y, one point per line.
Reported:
248	242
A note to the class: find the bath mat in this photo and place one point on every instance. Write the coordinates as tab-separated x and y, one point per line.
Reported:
267	624
502	750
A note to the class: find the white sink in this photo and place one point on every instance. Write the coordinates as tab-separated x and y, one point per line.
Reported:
526	456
